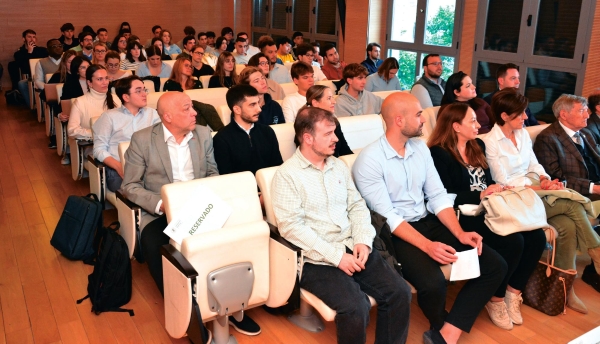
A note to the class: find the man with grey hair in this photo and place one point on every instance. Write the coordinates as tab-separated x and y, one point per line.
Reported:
568	151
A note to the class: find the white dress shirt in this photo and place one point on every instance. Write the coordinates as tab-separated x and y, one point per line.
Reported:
290	106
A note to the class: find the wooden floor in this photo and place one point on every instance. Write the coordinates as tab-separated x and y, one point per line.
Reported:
39	287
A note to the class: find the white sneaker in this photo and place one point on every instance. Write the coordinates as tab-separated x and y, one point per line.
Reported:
66	160
513	304
499	314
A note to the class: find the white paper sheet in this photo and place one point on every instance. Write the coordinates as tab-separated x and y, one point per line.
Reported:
466	266
204	213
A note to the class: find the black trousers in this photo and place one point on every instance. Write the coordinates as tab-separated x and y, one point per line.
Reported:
152	239
521	251
425	275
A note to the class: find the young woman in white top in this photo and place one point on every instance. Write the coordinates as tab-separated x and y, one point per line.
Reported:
512	161
113	66
92	104
133	57
168	48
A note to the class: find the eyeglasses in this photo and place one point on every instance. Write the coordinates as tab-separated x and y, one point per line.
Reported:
263	63
87	40
435	64
83	67
198	53
310	55
113	65
100	51
140	91
54	46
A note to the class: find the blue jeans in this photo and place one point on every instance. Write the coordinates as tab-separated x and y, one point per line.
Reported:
347	295
24	89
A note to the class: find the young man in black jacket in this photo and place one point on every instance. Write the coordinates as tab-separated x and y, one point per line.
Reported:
20	65
244	144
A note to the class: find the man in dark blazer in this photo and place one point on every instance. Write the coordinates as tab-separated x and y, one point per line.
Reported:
568	151
594	120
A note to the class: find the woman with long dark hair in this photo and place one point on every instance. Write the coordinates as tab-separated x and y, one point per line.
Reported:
386	78
225	75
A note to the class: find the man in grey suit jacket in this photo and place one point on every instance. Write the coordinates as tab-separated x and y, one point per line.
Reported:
173	151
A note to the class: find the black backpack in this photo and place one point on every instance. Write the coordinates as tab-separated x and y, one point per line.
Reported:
75	231
109	285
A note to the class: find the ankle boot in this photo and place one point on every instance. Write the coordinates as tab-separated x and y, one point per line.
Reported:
575	303
595	255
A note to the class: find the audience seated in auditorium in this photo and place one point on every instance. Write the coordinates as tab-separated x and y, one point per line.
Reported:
459	157
372	62
154	66
112	61
99	51
507	75
118	124
277	72
86	45
119	45
92	103
189	42
187	31
168	47
64	68
75	83
261	62
157	42
386	78
353	99
239	53
208	58
220	46
319	210
303	76
156	30
67	39
29	50
460	88
133	57
125	28
284	46
306	53
429	89
318	61
322	97
126	33
297	39
333	68
270	110
245	144
593	123
102	37
250	49
512	162
200	68
48	65
181	76
225	73
395	175
227	33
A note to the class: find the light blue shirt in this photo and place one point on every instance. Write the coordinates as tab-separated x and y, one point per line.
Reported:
116	126
375	83
280	74
397	187
173	49
143	70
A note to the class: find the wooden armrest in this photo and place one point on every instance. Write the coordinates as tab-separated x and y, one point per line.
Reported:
178	260
277	237
127	202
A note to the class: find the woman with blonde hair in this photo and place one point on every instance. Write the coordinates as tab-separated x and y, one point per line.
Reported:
98	53
64	68
168	47
181	76
225	75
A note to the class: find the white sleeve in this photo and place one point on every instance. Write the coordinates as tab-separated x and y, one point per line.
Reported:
39	77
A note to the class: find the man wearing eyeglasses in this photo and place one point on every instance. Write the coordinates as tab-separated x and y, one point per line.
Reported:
306	53
429	89
48	65
118	125
86	44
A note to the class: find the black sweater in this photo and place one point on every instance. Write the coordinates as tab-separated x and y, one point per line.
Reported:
235	151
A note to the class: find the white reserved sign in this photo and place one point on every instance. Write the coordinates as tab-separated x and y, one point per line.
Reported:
205	212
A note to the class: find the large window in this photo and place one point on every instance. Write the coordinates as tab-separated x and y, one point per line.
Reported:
420	27
545	38
316	19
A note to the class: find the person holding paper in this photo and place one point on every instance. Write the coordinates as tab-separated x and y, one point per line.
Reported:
319	210
459	157
395	175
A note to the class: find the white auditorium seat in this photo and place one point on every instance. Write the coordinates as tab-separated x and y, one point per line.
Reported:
360	131
152	99
384	94
250	265
239	68
285	137
535	130
61	127
430	114
212	96
51	100
205	79
289	88
170	63
31	85
149	85
224	113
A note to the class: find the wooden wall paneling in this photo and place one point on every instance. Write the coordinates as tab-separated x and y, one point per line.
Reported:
355	40
467	39
378	24
591	82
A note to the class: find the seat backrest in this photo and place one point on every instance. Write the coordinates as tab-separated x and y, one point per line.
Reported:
349	160
170	63
205	79
59	88
32	63
212	96
535	130
66	106
288	65
149	85
285	137
264	177
122	149
152	99
328	83
162	84
51	92
174	57
225	114
360	131
430	114
289	88
48	76
384	94
239	68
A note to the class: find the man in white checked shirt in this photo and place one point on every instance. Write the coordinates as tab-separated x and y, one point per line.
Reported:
319	209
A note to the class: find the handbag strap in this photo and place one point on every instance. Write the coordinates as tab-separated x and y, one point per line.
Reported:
562	279
553	242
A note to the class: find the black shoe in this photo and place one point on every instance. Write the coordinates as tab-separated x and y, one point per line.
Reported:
597	229
591	277
52	143
247	326
433	337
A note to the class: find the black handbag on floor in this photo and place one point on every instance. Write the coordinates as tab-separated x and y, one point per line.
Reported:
76	229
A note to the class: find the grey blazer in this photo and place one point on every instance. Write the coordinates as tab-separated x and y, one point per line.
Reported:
148	166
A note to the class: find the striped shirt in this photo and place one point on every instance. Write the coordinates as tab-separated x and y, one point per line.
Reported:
320	211
126	65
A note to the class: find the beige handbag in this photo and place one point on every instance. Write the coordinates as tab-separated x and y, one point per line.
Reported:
515	210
